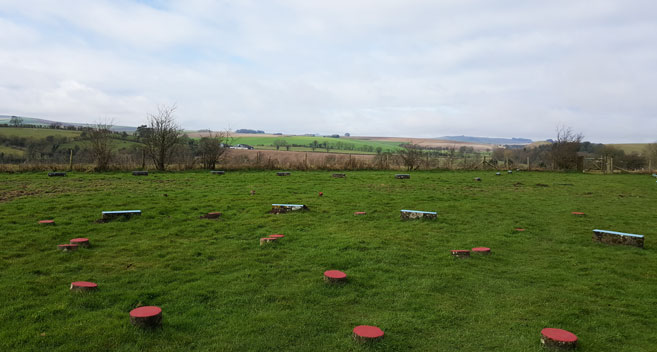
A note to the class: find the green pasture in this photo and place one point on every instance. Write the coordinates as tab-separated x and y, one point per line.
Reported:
221	291
304	140
37	133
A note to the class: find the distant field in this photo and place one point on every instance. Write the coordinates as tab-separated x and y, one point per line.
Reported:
37	132
221	291
11	151
638	148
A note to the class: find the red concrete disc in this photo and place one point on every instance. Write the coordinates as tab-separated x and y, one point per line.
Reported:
276	236
519	229
368	332
481	249
577	213
78	240
360	213
85	284
321	194
460	251
335	274
559	335
46	221
145	312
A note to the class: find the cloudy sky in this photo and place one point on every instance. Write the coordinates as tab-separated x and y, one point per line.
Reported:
415	68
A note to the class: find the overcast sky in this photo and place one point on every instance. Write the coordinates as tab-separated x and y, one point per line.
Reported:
380	68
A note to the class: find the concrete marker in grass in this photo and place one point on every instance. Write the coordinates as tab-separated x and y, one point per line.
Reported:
277	235
284	208
140	173
146	317
82	242
213	215
402	176
56	174
460	253
339	175
109	215
283	174
47	222
83	286
67	247
418	214
577	213
558	339
367	334
335	277
267	240
217	172
360	213
621	238
481	250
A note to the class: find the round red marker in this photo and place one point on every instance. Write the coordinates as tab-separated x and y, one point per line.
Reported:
335	276
360	213
67	247
519	229
83	242
47	222
321	194
145	317
276	236
558	338
83	286
481	250
578	213
367	333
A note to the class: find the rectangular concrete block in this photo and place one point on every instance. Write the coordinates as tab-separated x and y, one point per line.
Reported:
217	172
54	174
282	174
417	214
339	175
284	208
140	173
109	215
620	238
401	176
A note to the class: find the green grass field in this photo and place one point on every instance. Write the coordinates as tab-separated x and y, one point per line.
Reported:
221	291
11	151
639	148
37	133
268	142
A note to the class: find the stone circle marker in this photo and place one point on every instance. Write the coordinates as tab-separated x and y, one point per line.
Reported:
402	176
558	339
461	253
146	317
578	213
339	175
417	214
498	174
335	277
621	238
510	172
477	179
55	174
481	250
321	194
82	242
367	333
217	172
518	229
213	215
109	215
359	213
83	286
67	247
267	240
140	173
282	174
277	235
47	222
284	208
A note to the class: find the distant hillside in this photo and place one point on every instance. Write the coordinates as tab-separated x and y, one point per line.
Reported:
42	122
486	140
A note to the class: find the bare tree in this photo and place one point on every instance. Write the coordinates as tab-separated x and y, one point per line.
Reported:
100	138
410	156
16	121
161	136
212	147
565	148
651	155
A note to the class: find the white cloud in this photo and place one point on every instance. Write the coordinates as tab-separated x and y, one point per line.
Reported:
409	68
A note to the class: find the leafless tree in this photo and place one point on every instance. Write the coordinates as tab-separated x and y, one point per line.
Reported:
651	154
161	136
410	156
100	138
565	148
212	147
16	121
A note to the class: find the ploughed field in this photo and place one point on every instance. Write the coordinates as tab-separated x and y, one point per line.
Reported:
220	290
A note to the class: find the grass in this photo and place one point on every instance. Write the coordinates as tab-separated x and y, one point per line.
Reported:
303	140
11	151
220	291
37	133
639	148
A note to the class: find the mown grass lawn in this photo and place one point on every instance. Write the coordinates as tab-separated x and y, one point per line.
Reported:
220	291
